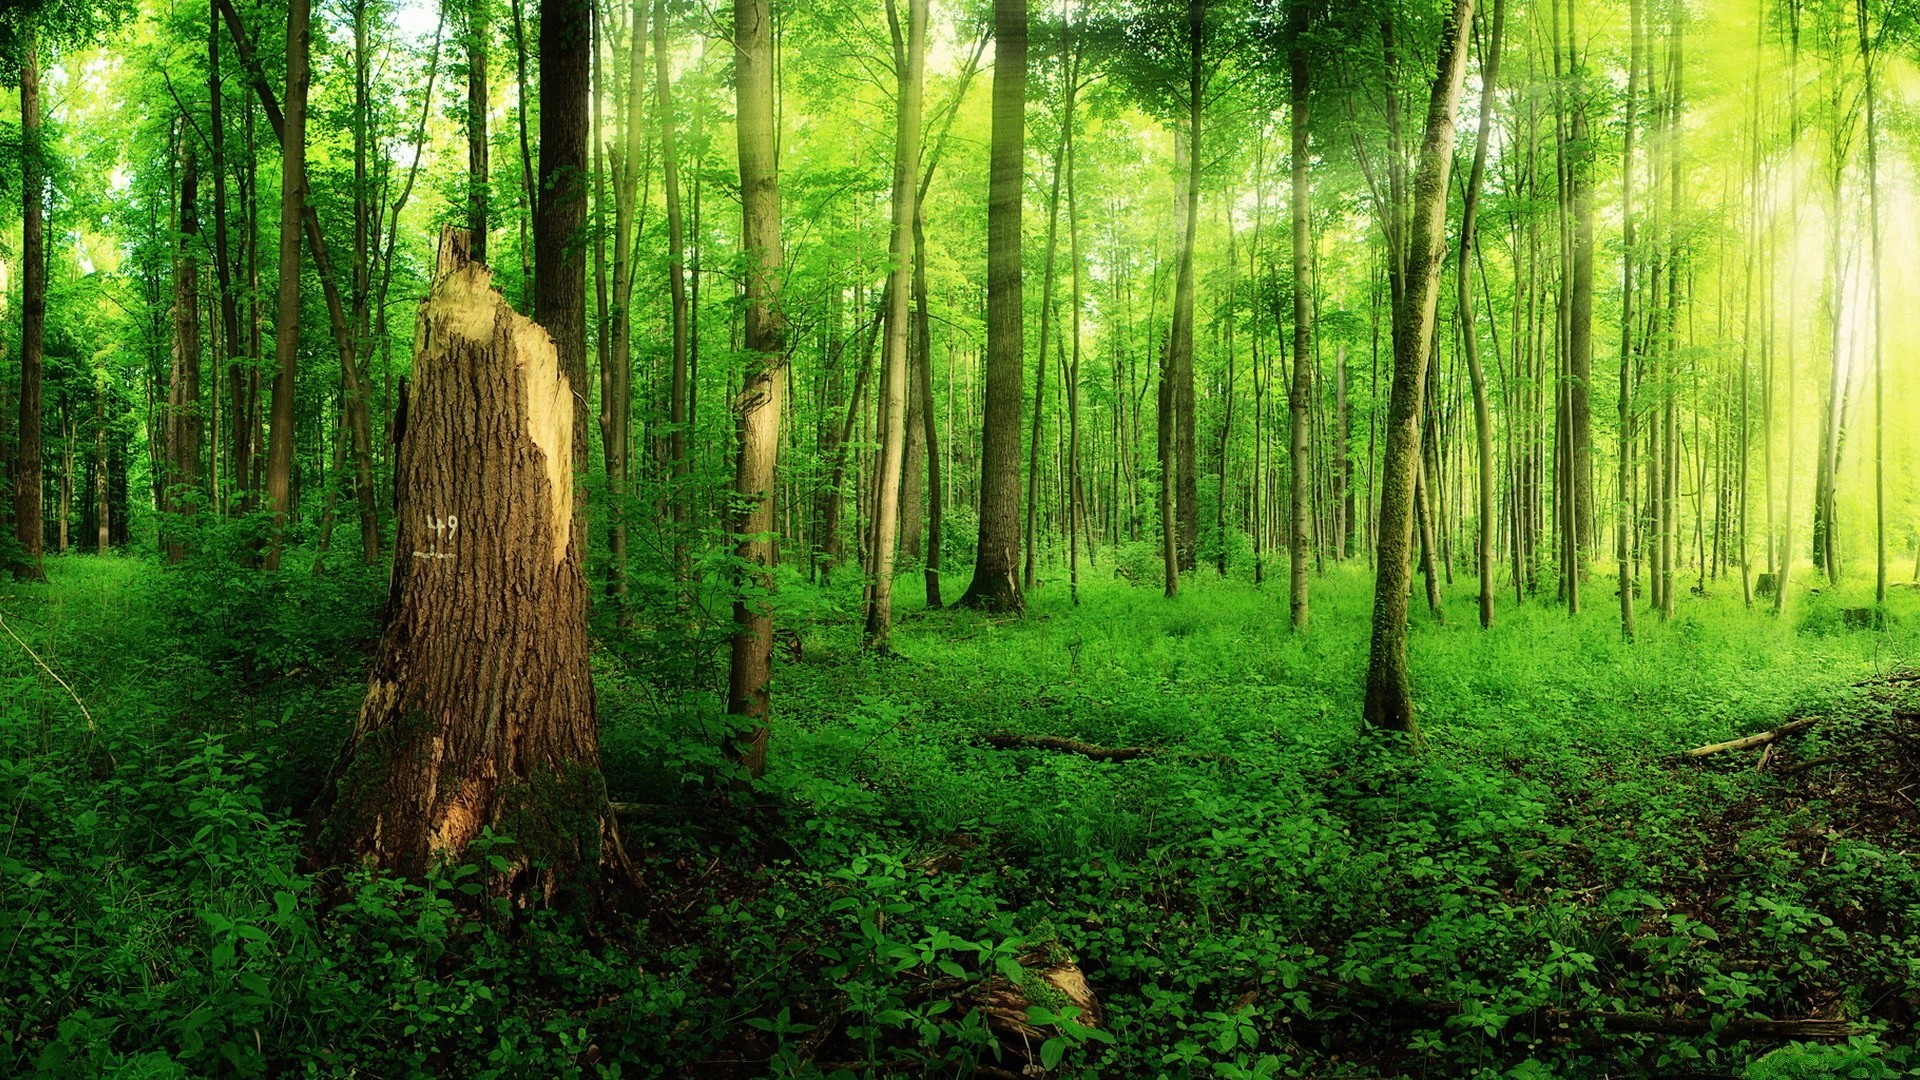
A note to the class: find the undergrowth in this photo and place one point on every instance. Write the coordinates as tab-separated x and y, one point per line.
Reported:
1273	892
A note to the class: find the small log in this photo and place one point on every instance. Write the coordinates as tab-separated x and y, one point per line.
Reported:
1069	746
1006	741
1810	763
1761	739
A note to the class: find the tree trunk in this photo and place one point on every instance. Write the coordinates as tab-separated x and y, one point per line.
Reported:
1300	390
560	217
28	531
1389	694
1879	348
478	33
678	413
480	706
1482	418
996	565
909	55
286	325
183	386
1187	508
759	407
1623	527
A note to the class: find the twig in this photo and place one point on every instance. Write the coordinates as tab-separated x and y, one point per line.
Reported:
91	726
1088	750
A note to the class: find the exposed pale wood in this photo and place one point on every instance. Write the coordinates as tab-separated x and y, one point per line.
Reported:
1760	739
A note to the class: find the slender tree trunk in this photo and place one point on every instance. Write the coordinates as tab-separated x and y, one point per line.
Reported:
1300	390
1482	418
996	585
1034	442
286	327
28	530
1623	526
678	412
183	405
1879	347
477	36
909	56
759	408
1389	694
1181	337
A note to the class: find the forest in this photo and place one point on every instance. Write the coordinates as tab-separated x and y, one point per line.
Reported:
1338	539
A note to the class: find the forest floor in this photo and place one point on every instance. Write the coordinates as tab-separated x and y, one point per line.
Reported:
1549	888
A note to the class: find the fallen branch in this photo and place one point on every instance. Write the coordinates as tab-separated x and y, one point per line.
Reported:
1761	739
1069	746
1006	741
1810	763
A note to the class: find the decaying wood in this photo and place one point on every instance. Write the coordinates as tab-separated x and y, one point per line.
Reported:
1760	739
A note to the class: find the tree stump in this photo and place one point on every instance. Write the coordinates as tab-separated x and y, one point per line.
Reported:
1763	585
480	705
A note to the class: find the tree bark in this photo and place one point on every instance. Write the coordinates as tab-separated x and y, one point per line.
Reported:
480	706
909	57
560	217
1300	390
28	531
677	415
286	326
1482	418
183	385
478	195
1389	694
1188	507
996	565
759	404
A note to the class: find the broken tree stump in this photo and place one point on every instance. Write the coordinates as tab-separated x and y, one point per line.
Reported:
479	711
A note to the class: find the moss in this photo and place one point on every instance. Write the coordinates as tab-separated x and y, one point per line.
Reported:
553	819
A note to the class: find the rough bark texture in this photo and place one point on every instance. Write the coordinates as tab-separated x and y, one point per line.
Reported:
751	667
1389	695
996	564
286	324
480	707
560	214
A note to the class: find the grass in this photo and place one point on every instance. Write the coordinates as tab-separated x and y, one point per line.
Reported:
1275	893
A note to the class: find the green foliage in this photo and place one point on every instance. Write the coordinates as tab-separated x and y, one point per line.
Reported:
1274	894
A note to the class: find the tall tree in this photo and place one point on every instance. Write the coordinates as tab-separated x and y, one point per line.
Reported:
1469	331
759	405
1877	286
909	59
183	386
1300	390
27	527
996	565
560	213
1389	693
286	324
478	33
679	388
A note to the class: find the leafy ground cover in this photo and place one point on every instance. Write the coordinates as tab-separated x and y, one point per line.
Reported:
1546	889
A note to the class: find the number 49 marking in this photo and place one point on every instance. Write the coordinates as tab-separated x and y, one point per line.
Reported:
443	528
